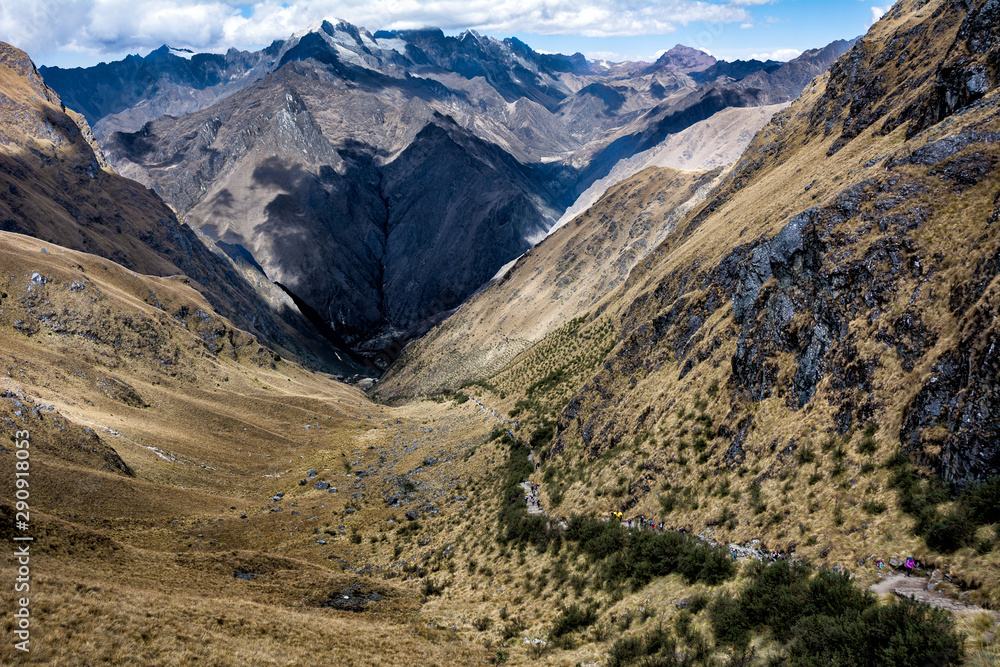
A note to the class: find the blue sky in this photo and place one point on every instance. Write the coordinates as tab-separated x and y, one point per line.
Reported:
782	30
84	32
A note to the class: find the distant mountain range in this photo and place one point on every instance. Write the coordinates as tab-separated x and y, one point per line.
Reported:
381	179
54	186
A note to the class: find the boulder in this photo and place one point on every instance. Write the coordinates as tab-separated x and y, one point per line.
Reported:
321	485
413	515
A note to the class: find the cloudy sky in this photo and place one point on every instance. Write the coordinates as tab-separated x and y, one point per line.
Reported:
85	32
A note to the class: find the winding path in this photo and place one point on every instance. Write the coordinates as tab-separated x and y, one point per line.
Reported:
921	590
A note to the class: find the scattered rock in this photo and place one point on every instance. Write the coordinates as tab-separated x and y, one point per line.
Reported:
321	485
352	598
413	515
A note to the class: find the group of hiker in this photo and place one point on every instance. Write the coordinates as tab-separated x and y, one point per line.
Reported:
908	565
641	522
531	498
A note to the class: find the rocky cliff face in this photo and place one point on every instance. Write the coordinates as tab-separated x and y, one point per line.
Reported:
365	173
848	298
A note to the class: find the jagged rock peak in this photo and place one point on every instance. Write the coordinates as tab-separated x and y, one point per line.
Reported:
685	59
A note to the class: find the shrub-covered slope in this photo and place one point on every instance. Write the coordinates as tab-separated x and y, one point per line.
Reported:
831	302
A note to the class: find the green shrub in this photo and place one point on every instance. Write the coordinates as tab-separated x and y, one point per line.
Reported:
639	556
868	444
713	389
543	434
898	459
573	618
825	619
874	507
806	455
513	628
983	501
408	528
656	648
950	532
729	622
698	603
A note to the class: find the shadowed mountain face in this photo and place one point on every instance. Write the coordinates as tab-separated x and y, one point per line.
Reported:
383	178
54	185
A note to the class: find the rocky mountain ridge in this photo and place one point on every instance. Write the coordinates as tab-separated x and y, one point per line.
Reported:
56	186
362	172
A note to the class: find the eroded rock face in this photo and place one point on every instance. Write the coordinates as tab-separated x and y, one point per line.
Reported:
953	422
839	293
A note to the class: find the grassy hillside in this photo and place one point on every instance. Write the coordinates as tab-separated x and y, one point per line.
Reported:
158	433
808	357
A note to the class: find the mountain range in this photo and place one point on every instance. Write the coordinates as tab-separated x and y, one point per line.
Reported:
364	172
705	384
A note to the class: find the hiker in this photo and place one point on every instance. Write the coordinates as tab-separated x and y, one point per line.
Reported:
909	566
879	564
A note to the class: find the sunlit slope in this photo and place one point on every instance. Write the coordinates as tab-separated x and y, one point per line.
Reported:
159	432
829	303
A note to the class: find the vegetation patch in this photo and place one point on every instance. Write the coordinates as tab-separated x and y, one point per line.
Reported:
950	530
637	556
824	618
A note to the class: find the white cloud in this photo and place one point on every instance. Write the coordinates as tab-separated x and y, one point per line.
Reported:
777	54
610	56
116	26
879	12
746	26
